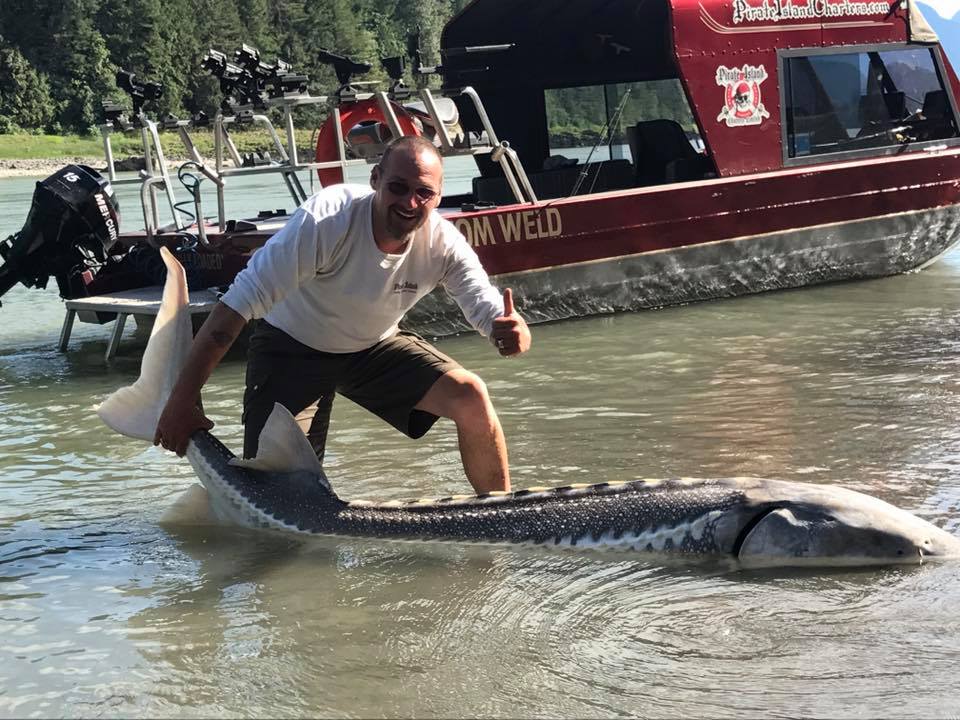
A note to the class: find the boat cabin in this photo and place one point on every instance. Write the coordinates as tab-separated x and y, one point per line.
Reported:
600	96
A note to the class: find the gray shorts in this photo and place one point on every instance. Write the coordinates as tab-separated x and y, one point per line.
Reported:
388	379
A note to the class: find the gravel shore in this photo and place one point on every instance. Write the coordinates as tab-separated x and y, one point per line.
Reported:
48	166
43	168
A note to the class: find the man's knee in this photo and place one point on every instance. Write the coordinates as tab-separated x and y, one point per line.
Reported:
459	395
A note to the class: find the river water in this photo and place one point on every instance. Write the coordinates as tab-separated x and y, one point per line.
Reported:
104	612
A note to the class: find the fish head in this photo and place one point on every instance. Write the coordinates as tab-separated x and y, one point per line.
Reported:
837	527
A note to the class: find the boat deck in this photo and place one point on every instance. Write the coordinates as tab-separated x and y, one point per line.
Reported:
119	306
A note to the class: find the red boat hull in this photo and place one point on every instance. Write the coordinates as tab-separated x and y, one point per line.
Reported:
668	245
719	238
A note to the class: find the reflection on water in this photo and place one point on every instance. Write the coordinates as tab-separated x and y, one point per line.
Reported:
105	612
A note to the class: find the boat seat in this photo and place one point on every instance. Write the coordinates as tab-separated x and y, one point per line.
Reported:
882	108
368	139
879	114
936	117
935	104
446	109
662	153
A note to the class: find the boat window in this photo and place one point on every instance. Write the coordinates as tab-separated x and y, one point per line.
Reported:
855	101
643	133
578	118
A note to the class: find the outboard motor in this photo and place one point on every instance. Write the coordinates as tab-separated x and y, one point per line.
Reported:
74	219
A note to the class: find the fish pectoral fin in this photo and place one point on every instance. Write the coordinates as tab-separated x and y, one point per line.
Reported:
190	508
283	448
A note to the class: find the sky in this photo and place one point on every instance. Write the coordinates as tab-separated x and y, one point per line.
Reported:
947	9
944	18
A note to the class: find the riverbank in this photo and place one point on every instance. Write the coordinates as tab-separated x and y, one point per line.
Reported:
45	167
26	155
41	168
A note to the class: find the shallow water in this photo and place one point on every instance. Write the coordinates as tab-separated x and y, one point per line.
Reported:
103	612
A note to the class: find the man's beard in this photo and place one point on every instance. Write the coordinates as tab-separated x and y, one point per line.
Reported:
400	229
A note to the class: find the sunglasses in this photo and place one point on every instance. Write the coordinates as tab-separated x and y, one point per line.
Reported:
401	189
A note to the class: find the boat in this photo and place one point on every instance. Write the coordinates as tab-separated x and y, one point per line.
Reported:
737	146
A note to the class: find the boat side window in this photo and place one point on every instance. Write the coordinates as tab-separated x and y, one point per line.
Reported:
857	101
624	135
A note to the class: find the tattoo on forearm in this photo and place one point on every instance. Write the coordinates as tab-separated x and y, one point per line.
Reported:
221	338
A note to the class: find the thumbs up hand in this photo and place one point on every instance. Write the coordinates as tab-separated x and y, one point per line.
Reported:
510	332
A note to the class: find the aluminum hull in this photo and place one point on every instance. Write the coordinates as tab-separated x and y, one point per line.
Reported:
855	250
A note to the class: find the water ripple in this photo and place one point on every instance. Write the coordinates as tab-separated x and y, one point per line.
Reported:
103	612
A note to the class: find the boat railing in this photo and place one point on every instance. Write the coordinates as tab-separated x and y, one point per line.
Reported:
154	177
227	161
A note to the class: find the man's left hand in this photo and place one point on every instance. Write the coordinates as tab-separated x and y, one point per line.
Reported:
510	333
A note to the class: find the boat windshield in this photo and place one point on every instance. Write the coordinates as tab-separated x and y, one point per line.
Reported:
622	135
858	101
596	118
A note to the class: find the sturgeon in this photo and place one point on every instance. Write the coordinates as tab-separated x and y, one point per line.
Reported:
758	522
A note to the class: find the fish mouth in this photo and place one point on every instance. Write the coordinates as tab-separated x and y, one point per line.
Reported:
928	549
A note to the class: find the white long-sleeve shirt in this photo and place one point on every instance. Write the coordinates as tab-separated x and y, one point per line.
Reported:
323	280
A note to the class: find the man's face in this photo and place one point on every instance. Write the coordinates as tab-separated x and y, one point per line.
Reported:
407	189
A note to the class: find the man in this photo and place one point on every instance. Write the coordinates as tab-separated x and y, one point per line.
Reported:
331	287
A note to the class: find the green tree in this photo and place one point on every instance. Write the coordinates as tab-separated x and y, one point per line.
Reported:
77	61
24	93
255	16
335	25
145	37
288	20
68	51
428	17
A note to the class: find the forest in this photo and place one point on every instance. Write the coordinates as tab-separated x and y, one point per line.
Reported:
59	58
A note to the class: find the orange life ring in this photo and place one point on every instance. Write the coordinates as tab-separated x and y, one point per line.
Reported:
352	114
